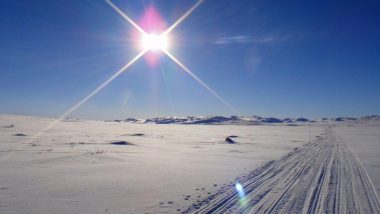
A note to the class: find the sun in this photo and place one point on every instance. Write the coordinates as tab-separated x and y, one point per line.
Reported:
154	42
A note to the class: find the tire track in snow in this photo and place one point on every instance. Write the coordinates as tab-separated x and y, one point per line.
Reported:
324	176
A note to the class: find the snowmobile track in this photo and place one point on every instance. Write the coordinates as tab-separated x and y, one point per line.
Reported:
324	176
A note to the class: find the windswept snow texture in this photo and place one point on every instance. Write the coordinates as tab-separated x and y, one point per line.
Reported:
82	166
321	177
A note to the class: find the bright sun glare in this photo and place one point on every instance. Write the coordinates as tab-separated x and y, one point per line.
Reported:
154	42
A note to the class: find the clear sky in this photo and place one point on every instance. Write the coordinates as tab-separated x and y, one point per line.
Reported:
268	58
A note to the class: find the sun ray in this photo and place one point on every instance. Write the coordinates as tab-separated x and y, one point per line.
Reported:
183	17
94	92
104	84
120	71
202	83
109	2
80	103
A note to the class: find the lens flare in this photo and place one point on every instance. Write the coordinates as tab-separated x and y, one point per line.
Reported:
228	105
183	17
149	42
125	16
154	42
239	187
242	199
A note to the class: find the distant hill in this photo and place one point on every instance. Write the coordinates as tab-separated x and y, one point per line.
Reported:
242	120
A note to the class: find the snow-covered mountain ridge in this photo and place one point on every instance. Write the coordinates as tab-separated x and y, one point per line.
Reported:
242	120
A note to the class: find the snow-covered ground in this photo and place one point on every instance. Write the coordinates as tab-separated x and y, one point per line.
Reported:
324	176
364	139
75	168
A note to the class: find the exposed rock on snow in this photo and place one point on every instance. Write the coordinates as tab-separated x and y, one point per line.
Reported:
134	135
233	136
123	143
230	141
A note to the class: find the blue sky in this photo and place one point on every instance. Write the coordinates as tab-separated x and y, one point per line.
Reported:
269	58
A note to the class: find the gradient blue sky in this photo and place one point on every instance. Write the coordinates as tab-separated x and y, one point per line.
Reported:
269	58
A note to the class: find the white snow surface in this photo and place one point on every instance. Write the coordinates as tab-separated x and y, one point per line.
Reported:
73	168
364	139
